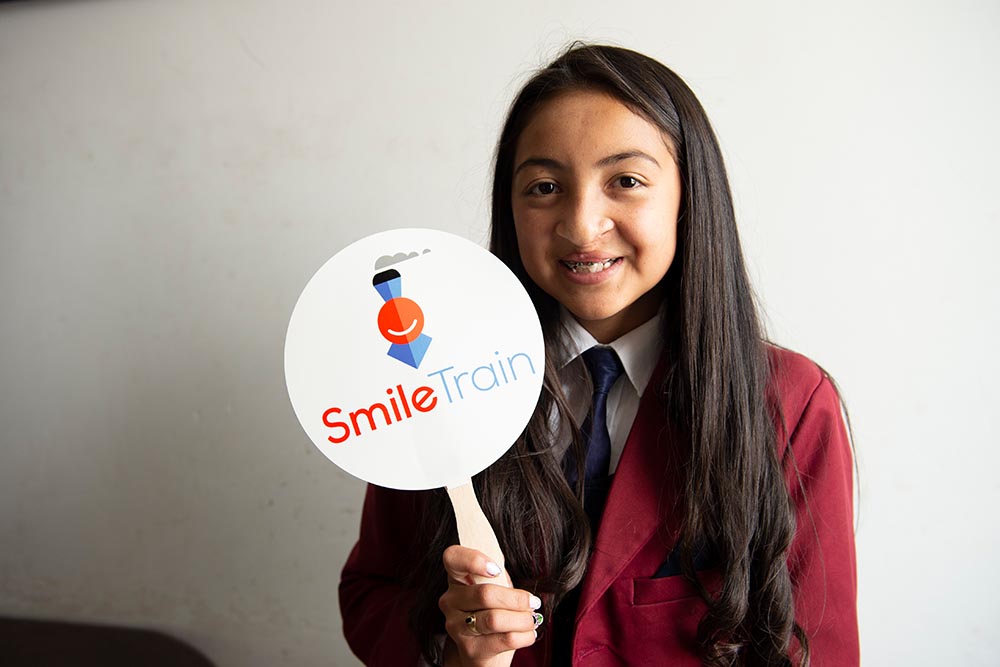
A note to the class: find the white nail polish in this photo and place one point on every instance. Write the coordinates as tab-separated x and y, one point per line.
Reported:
534	602
492	569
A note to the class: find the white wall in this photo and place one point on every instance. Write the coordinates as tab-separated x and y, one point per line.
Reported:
171	174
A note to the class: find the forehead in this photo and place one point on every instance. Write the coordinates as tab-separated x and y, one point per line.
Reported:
584	124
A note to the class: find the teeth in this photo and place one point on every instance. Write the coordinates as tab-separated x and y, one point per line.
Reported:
589	267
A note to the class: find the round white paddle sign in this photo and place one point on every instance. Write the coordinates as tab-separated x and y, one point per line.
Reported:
414	359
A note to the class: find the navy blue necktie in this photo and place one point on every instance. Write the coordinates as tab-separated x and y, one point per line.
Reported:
605	368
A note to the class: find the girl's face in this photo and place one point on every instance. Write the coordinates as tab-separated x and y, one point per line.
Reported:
596	194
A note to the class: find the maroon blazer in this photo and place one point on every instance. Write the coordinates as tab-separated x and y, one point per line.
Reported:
626	616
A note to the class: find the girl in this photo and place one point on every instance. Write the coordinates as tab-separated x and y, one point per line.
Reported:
682	494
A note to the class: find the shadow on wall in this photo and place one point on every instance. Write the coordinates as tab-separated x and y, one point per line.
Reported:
25	643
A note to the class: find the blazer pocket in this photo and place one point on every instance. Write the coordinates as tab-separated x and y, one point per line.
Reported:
657	590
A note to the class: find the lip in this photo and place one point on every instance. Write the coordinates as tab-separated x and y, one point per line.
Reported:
590	278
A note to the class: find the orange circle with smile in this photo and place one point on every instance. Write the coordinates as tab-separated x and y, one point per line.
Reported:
400	320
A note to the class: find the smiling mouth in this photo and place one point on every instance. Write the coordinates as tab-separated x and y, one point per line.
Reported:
405	331
590	267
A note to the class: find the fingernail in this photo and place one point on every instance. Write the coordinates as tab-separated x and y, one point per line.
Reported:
536	633
534	602
492	569
538	618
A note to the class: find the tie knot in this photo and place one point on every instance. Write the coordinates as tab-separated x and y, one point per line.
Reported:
605	367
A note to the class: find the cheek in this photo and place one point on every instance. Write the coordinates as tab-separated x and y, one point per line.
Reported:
668	249
531	248
656	247
666	246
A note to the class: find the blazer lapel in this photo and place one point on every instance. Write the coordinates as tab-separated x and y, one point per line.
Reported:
641	501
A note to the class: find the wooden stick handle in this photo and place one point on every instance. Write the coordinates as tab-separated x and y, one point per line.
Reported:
474	529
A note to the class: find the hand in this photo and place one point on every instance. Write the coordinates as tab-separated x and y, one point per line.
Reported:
504	617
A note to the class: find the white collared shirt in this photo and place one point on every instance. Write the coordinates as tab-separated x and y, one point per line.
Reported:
639	350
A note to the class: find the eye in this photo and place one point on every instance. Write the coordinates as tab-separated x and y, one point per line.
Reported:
628	182
544	188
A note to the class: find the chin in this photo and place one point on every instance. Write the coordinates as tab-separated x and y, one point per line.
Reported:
588	313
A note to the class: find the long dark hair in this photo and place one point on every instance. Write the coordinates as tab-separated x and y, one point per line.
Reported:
714	392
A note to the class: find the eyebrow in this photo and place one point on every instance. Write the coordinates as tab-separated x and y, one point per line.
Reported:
627	155
550	163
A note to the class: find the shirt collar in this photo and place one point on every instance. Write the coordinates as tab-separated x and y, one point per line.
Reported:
639	349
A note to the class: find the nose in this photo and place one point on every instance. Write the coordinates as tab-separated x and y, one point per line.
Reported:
585	219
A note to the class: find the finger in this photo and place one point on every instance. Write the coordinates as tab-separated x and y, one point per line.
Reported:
463	564
462	599
458	603
466	599
497	621
488	646
492	596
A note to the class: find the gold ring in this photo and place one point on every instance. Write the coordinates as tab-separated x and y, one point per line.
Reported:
470	622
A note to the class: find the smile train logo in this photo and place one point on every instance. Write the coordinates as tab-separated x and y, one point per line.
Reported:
401	321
